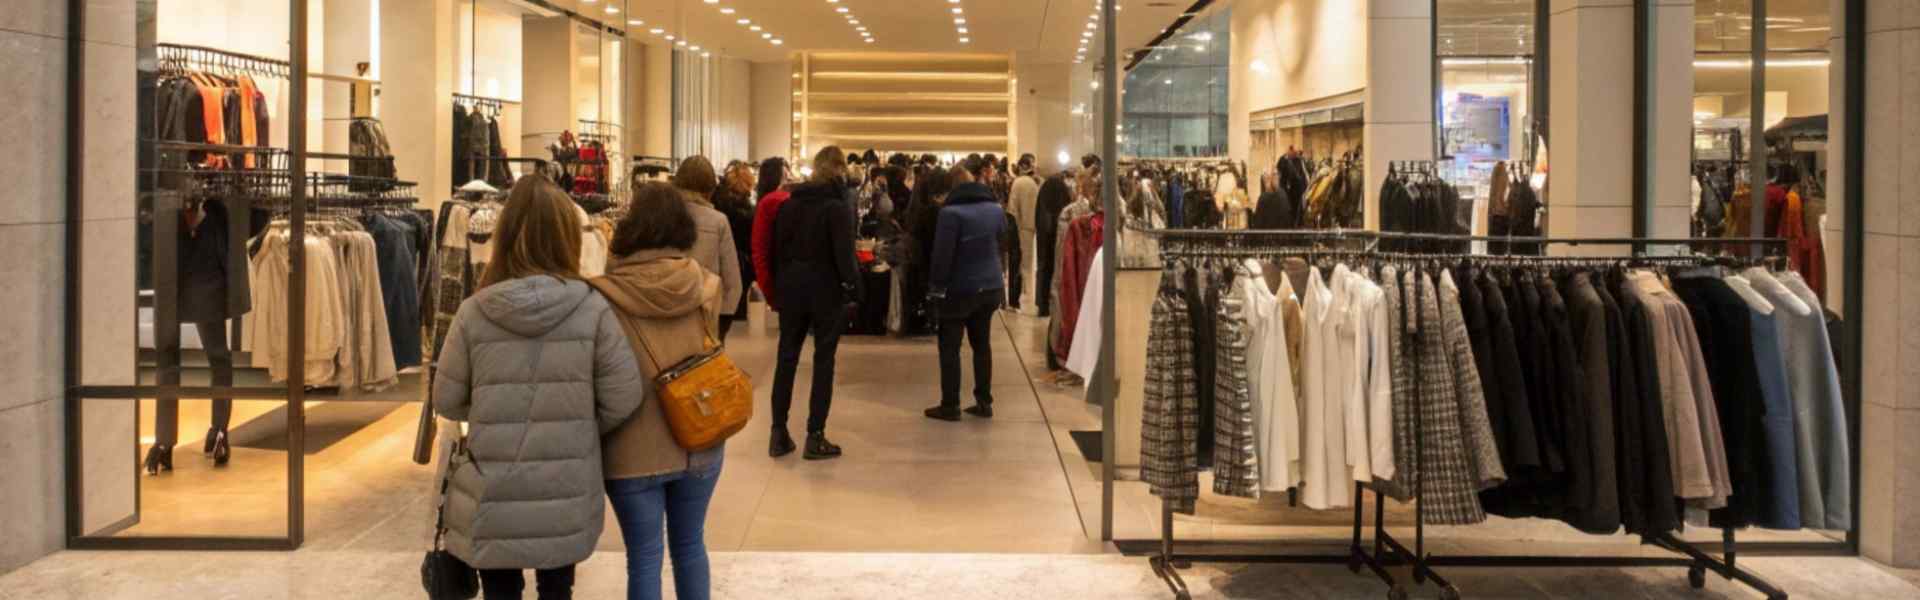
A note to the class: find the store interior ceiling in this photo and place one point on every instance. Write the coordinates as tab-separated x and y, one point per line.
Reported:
1048	29
1052	30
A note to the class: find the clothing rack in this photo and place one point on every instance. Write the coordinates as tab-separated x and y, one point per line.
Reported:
491	106
1388	551
187	57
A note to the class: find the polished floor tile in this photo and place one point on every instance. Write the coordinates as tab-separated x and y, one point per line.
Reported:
836	576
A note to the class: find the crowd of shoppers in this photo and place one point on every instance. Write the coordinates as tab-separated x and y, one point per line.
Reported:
554	373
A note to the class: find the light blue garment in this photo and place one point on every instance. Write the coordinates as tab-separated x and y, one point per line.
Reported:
677	503
1781	508
1820	419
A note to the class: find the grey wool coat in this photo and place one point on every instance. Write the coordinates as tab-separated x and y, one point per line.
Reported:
540	369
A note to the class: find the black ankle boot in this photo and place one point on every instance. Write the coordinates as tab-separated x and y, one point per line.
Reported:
818	448
781	444
943	413
159	458
221	450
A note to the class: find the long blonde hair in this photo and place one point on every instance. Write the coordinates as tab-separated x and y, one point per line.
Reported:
538	234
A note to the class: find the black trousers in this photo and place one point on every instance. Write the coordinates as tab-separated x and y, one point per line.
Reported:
825	327
166	418
1043	272
726	325
973	317
509	584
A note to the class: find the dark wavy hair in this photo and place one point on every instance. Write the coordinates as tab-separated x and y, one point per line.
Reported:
656	219
773	172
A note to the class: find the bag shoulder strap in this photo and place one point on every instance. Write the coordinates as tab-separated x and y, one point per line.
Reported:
605	287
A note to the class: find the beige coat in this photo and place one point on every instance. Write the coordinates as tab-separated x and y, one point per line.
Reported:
675	303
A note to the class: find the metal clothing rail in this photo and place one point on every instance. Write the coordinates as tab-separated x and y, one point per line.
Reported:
1387	551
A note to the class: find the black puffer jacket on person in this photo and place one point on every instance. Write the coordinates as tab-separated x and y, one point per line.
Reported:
813	264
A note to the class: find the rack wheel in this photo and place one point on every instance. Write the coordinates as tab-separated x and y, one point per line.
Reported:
1353	564
1397	592
1449	593
1697	577
1183	596
1182	564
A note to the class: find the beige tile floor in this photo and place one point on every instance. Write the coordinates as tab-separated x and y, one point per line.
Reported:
907	484
328	574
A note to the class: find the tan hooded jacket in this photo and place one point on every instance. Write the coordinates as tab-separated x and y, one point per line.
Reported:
675	304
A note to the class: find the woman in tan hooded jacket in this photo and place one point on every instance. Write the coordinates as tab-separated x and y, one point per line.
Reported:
669	307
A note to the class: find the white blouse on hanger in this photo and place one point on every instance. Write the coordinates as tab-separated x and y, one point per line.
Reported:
1276	414
1323	452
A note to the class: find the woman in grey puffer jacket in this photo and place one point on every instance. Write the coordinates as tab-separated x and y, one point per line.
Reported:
537	364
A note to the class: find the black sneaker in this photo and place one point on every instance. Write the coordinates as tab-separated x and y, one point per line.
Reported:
984	411
818	448
944	413
781	444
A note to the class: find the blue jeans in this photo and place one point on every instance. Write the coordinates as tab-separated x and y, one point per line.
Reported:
679	502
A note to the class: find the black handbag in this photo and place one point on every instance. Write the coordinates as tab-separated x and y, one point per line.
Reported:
444	575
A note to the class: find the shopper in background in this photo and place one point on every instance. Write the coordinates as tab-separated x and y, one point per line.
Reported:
714	248
928	197
537	364
668	307
965	287
817	278
734	199
1054	197
898	191
772	192
1023	201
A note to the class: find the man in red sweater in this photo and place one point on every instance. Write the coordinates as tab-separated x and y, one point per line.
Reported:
773	193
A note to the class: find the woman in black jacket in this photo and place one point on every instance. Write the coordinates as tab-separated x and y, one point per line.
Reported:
928	197
1055	196
816	278
731	199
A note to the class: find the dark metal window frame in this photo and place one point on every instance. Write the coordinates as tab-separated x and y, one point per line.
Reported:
78	393
1853	243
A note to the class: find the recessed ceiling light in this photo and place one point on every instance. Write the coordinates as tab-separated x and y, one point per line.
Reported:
842	9
766	36
656	31
778	42
726	11
966	40
754	28
613	11
743	21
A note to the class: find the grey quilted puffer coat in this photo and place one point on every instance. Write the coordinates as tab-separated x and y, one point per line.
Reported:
540	369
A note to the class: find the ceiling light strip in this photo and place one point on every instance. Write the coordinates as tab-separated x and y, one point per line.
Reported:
853	20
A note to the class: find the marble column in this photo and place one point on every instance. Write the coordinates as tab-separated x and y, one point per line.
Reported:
1890	445
416	71
33	223
657	106
550	70
1590	145
1670	160
1400	94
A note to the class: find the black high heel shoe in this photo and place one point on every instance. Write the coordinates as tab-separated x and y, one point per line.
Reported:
159	458
221	451
207	447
